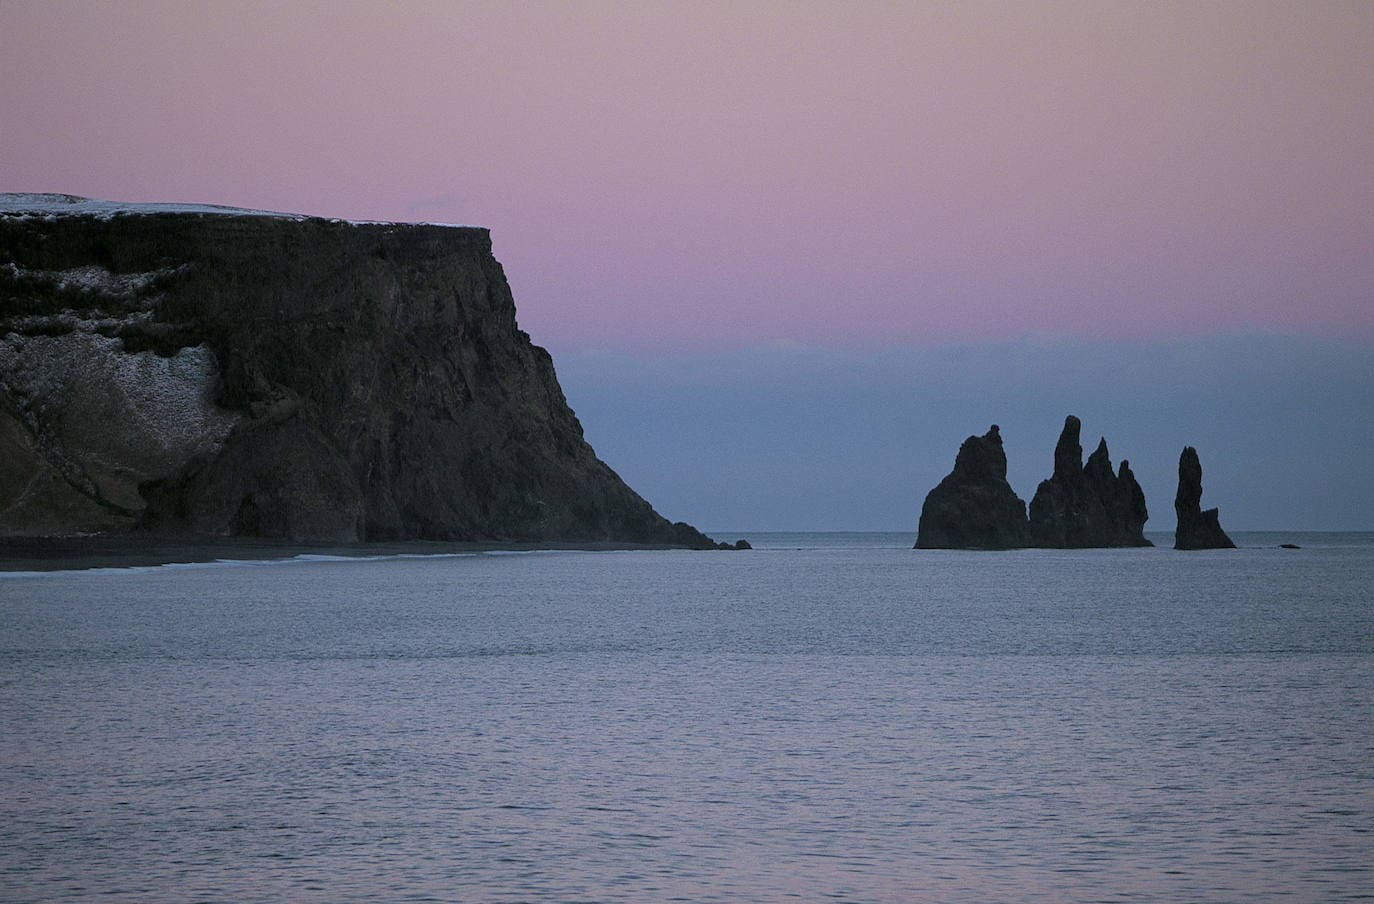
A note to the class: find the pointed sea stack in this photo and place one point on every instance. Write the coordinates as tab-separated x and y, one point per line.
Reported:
1196	529
974	507
1087	507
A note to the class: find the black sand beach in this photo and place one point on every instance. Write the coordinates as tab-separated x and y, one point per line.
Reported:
133	550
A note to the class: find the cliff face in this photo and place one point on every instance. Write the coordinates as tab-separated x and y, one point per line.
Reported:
1087	506
224	372
974	507
1196	529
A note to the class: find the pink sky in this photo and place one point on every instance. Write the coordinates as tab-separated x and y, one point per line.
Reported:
664	176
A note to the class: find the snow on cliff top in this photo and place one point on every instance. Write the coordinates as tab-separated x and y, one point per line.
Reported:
48	205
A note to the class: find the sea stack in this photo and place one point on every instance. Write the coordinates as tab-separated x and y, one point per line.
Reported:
974	507
1196	529
209	371
1087	507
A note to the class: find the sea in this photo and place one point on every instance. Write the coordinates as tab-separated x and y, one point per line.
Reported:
826	717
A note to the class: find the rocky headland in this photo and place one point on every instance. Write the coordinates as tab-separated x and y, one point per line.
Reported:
202	371
1197	529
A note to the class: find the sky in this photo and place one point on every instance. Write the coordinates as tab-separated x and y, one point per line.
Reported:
787	256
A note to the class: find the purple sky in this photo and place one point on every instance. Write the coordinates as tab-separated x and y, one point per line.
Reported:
679	177
788	255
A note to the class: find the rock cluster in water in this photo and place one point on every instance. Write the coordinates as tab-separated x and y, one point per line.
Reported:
212	371
1197	529
1087	506
1079	506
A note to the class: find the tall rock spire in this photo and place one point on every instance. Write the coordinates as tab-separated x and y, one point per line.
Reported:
1087	506
1196	529
1068	452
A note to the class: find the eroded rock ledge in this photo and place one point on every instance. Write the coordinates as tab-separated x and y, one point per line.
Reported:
218	372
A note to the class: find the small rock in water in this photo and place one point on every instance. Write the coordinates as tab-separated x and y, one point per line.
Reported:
742	544
1289	546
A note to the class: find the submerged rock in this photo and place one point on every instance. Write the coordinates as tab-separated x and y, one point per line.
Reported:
974	507
212	371
1196	529
1087	506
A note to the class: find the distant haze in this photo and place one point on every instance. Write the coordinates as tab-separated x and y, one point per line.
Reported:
888	224
809	439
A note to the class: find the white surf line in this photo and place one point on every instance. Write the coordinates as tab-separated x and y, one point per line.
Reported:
302	559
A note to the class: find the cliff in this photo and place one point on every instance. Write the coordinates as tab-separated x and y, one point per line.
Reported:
1087	506
1196	529
212	371
974	507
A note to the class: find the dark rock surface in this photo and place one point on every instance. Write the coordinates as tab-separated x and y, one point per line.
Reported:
233	373
1196	529
974	507
1087	506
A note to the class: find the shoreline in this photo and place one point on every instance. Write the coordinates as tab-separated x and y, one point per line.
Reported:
30	554
114	551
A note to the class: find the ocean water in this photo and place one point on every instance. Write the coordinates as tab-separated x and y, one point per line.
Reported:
828	717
